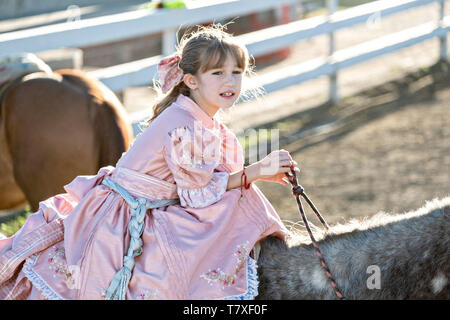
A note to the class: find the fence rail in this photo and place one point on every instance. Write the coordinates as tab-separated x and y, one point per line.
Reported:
141	72
351	56
94	31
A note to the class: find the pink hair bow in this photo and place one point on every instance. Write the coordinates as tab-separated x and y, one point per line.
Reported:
169	72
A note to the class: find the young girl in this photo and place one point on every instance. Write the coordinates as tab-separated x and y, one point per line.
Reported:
176	218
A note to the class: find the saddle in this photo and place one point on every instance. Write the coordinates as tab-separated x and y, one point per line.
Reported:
17	68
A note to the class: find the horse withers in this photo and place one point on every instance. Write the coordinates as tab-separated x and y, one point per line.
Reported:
55	126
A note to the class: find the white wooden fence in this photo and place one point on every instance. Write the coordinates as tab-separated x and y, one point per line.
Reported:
141	72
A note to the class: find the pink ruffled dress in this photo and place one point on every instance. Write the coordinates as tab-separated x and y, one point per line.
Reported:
73	246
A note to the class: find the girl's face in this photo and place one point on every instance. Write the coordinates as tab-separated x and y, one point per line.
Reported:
216	88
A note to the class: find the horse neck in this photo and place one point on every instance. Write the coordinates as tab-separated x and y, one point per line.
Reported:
409	250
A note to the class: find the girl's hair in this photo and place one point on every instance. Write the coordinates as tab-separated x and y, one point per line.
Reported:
202	50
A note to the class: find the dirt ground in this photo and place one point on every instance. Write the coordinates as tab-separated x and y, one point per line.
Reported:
392	153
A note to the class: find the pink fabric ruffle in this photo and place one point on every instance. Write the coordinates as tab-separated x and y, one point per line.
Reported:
192	154
80	186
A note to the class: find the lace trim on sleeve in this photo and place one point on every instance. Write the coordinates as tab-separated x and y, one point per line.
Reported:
209	194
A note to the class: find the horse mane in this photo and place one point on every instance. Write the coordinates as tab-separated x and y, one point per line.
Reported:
300	236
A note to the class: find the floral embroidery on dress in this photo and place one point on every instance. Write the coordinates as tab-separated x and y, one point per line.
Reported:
145	294
57	261
225	279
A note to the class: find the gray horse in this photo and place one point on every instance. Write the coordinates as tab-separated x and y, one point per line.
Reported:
404	256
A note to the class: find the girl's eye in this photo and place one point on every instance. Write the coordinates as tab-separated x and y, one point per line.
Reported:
218	73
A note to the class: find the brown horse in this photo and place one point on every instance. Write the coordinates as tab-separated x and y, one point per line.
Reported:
54	127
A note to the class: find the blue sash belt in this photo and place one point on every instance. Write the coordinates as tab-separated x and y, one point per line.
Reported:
138	208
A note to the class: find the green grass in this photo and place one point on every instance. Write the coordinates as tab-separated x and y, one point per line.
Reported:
13	224
170	4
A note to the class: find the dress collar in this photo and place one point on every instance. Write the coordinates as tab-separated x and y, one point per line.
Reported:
189	104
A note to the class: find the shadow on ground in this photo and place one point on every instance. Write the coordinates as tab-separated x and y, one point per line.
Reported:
384	149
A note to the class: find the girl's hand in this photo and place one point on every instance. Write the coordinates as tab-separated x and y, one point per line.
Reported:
274	166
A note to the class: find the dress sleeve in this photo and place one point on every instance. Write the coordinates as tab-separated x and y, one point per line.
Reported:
192	158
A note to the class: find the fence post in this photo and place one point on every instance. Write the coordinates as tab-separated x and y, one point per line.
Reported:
169	41
443	39
333	85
